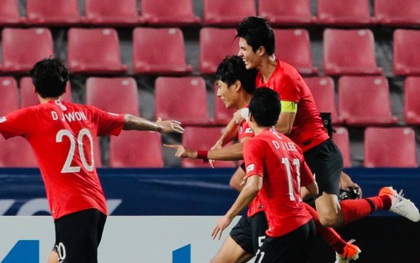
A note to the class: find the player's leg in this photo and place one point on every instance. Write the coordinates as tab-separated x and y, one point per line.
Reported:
237	178
326	163
53	257
231	252
344	250
238	245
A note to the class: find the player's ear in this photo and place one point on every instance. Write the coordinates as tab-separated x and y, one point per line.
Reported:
261	51
238	85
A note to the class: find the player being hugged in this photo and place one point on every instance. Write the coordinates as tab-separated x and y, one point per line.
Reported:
275	171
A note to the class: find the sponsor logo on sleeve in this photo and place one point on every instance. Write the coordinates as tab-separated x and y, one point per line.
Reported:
3	119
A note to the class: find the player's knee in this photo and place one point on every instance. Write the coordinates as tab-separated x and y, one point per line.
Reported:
331	220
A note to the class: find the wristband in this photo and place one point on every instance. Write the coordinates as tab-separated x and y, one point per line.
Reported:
202	155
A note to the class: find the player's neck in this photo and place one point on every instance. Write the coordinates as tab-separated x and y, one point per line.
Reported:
45	100
244	101
267	67
257	129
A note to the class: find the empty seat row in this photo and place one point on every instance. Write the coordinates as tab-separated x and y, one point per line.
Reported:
383	147
362	100
157	51
215	12
162	51
98	12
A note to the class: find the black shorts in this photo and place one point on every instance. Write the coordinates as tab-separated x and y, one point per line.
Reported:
326	162
294	247
77	236
249	232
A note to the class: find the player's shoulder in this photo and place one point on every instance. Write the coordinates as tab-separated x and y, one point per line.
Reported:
287	69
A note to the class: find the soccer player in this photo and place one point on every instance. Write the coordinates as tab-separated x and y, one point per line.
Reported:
275	170
235	88
235	85
61	135
300	120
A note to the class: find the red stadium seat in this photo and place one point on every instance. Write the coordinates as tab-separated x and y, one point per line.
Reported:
159	51
9	13
136	149
227	13
202	138
294	47
112	13
393	13
286	12
406	58
53	12
365	101
28	97
344	13
16	152
118	95
323	90
94	51
349	52
175	13
183	99
390	147
215	45
341	139
22	48
9	95
412	100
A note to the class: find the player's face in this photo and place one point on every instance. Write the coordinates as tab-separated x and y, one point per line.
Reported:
250	58
227	94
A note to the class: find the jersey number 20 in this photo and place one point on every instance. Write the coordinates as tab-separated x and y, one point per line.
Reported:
67	168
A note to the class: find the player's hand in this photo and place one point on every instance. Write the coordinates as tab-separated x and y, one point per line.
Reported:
170	126
346	183
237	117
221	225
182	151
218	145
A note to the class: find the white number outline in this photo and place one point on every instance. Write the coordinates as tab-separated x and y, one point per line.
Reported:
67	168
296	163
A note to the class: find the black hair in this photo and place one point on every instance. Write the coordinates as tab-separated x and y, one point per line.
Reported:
233	68
49	77
257	32
265	107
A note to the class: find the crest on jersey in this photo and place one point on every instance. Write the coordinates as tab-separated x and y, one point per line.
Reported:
250	167
3	119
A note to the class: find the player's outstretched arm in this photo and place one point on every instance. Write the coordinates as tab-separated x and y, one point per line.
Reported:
182	151
228	135
141	124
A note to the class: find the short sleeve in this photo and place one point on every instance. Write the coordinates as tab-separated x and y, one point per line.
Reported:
254	158
17	123
108	123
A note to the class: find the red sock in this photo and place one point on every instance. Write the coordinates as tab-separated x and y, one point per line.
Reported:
327	233
356	209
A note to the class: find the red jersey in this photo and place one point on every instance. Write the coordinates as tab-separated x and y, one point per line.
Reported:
61	136
308	130
255	206
244	131
280	162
